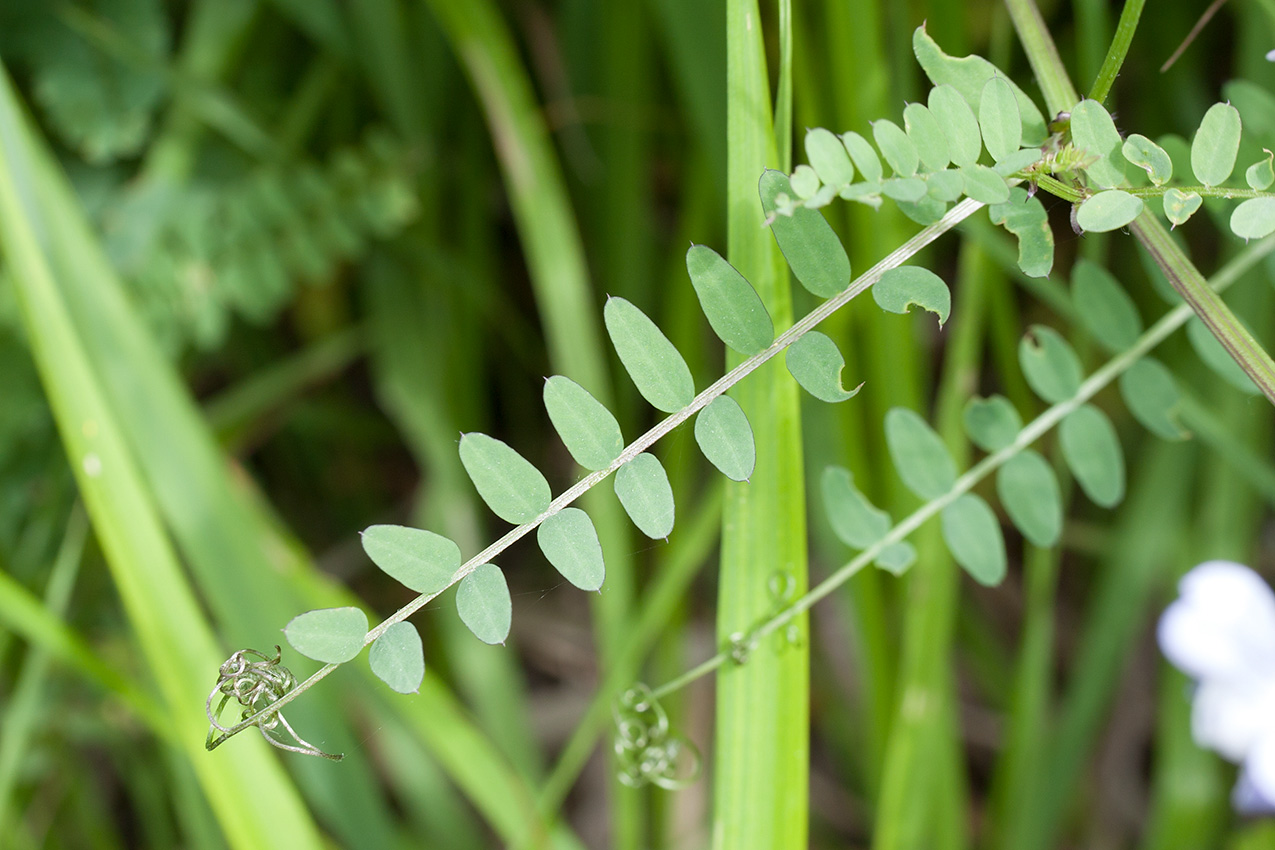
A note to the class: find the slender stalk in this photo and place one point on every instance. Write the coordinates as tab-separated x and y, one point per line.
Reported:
1042	53
1125	28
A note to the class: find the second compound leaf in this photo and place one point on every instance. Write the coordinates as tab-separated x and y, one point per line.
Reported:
992	423
1049	364
1151	393
1092	451
1029	492
856	521
919	455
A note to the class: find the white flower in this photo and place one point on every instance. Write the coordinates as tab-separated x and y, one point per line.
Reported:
1270	57
1221	632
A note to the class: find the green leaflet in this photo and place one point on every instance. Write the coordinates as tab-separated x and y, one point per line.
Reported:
816	363
828	157
927	135
1103	306
1216	357
925	211
856	521
1254	218
948	186
1026	218
330	635
1029	492
1148	156
1180	206
1093	131
999	119
398	659
896	557
904	189
905	286
1151	393
864	156
813	251
726	439
1049	364
1093	454
586	427
1018	161
974	537
656	367
570	542
1261	174
513	488
421	560
483	603
1216	144
734	309
991	423
805	182
953	114
643	489
919	455
897	149
984	185
1109	210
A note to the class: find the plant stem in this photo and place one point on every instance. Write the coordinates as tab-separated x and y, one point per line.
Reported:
1119	48
1042	53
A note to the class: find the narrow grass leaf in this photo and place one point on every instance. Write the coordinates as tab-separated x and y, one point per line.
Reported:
483	603
805	182
513	488
974	537
1261	174
330	635
734	309
896	148
1049	364
1217	358
864	156
1029	492
570	542
398	659
1109	210
947	186
813	251
586	427
816	363
1151	393
1104	307
1026	218
421	560
984	185
1216	144
928	135
1093	131
643	489
1148	156
726	438
904	189
992	423
901	288
954	116
656	367
1093	454
896	558
1254	218
919	455
828	157
856	521
1180	206
999	119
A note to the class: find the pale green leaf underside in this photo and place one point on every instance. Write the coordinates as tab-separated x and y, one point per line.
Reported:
984	185
999	119
904	189
1093	454
1026	218
856	521
805	182
949	109
570	542
813	251
513	488
1151	393
948	186
1029	492
974	537
1261	174
828	157
1148	156
1109	210
1216	144
656	367
398	659
734	309
1049	364
1093	131
1104	307
992	423
586	427
421	560
903	287
1254	218
864	156
483	602
927	135
330	635
726	439
1216	357
816	363
1180	206
643	489
919	455
898	150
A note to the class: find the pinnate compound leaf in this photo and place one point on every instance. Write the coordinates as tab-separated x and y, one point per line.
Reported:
984	185
1029	492
999	119
1026	218
856	521
1093	131
643	489
974	537
656	367
483	602
1148	156
895	146
733	307
1180	206
828	157
586	427
813	251
1151	393
398	659
513	488
816	363
919	455
1092	451
570	542
899	289
953	114
1217	358
1254	218
1261	174
330	635
1109	210
726	438
896	558
419	559
992	423
864	156
927	135
805	182
1104	308
1050	365
1216	144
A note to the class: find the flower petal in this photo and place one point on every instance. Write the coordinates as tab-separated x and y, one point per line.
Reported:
1233	717
1223	626
1259	774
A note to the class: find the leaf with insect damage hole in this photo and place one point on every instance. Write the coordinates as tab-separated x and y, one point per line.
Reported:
816	363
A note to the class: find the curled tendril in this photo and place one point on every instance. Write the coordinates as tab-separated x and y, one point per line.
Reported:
647	751
256	685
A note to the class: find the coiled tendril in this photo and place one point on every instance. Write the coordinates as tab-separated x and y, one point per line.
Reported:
256	685
647	751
